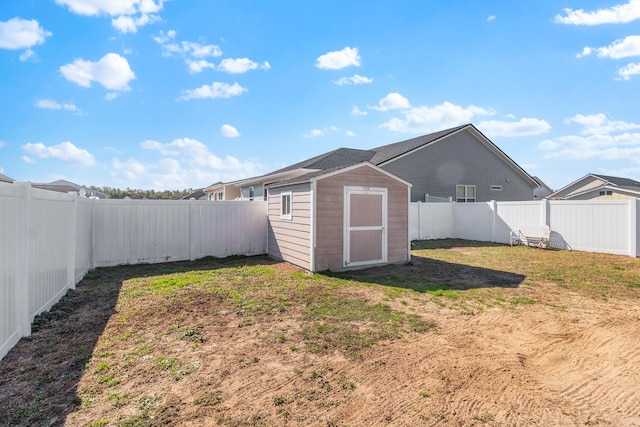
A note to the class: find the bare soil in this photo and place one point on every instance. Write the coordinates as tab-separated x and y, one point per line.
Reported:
506	350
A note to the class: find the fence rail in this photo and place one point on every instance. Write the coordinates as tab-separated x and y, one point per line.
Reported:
49	241
592	226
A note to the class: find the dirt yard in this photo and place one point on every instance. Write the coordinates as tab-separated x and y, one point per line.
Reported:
468	334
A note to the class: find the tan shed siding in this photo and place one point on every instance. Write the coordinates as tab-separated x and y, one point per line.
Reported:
290	240
330	215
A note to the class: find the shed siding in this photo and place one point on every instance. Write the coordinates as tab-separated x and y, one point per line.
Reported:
460	159
330	215
290	240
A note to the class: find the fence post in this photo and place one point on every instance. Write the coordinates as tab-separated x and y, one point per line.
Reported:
71	258
193	235
494	210
22	263
545	212
633	227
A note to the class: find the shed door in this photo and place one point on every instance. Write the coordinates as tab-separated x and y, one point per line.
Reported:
365	219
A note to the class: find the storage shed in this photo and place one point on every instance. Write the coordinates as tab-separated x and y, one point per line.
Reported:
350	217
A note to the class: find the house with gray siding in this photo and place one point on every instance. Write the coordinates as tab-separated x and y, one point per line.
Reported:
5	178
460	164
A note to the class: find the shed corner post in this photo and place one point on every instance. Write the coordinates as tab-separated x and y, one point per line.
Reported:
312	249
21	296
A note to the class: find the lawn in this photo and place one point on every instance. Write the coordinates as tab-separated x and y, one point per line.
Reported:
468	333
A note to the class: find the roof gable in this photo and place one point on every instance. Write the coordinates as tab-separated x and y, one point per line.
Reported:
604	181
5	178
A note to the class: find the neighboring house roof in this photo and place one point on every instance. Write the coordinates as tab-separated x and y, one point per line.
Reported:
5	178
320	174
197	195
614	183
619	182
63	186
379	156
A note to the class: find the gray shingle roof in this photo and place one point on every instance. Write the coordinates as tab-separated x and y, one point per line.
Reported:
391	151
620	182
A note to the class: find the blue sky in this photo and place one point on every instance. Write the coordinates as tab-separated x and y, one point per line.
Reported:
184	93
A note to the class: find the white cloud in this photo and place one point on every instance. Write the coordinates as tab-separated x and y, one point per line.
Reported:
111	96
595	124
199	65
604	147
524	127
50	104
356	79
215	90
28	55
491	18
123	10
18	33
624	48
391	102
350	133
185	163
129	24
64	151
618	14
631	69
112	71
430	119
28	160
314	133
3	144
241	65
193	53
355	111
339	59
229	131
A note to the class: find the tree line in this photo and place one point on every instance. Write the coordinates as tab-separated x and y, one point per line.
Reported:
134	193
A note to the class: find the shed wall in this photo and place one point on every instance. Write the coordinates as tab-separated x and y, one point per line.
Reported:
290	240
330	215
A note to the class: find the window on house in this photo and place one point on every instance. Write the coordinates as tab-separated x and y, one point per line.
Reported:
496	188
250	193
219	195
465	193
606	193
285	205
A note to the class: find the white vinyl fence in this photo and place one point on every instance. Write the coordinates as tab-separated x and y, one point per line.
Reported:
48	242
592	226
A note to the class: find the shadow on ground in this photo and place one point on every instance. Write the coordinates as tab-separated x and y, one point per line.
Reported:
40	375
424	274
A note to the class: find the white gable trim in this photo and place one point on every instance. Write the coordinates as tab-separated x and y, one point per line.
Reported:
359	165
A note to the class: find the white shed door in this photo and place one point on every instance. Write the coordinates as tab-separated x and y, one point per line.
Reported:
365	219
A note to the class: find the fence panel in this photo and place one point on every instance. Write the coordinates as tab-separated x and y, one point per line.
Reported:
430	220
49	241
602	226
229	228
11	201
473	221
140	231
511	215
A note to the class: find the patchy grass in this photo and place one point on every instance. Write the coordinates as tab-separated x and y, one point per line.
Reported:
168	344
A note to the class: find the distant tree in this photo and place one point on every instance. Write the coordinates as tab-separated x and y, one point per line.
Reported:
117	193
